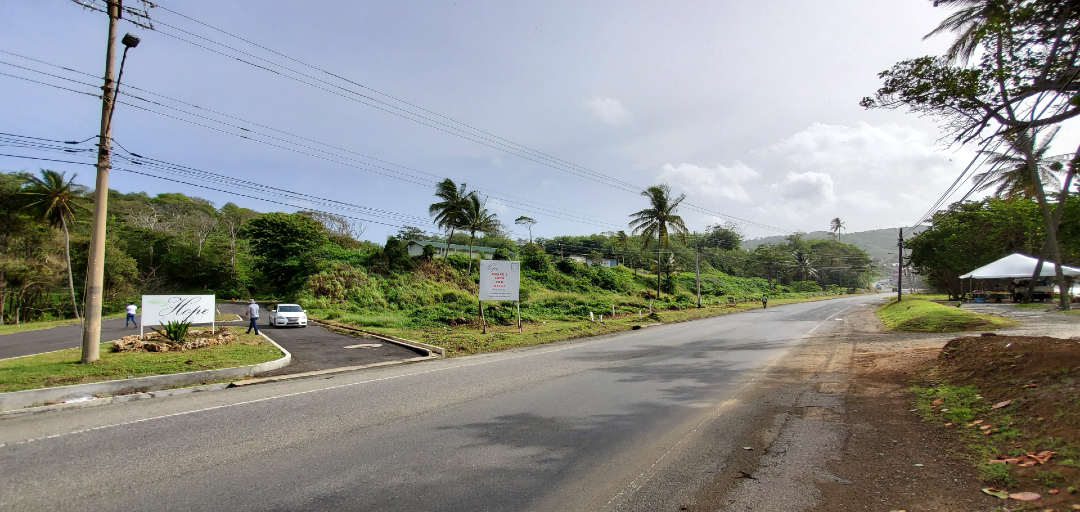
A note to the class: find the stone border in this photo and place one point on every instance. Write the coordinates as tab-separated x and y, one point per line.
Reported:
415	345
86	392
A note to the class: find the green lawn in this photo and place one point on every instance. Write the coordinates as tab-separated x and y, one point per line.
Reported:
62	368
921	315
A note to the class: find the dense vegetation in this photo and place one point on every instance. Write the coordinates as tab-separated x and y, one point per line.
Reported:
971	234
177	243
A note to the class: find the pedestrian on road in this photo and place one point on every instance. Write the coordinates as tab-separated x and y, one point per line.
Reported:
764	301
252	312
131	308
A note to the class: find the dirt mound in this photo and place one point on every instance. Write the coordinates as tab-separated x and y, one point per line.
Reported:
1013	399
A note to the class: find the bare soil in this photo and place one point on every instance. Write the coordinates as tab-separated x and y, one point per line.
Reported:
900	457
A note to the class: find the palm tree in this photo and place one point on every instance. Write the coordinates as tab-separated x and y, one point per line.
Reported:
803	266
57	200
447	212
658	221
1010	170
972	23
835	226
474	217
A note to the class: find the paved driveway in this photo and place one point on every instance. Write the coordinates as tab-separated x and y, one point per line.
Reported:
316	348
312	347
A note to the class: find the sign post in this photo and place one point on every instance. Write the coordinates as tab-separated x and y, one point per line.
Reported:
159	309
499	280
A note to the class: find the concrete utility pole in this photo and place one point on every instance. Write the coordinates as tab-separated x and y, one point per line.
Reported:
900	269
697	266
96	263
658	265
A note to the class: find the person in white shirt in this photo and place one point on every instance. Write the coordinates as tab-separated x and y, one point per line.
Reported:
252	312
131	309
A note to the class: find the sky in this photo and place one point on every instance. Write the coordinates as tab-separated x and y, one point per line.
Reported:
561	111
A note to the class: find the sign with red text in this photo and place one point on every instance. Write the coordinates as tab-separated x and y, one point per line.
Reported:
159	309
499	280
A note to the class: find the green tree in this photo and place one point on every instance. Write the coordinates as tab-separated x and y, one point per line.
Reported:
449	210
659	220
285	245
725	237
475	218
528	222
56	201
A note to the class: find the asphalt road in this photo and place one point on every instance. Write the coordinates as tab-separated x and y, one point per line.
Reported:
603	423
312	347
58	338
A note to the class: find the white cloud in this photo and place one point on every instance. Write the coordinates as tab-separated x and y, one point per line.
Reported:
810	188
714	183
609	110
871	176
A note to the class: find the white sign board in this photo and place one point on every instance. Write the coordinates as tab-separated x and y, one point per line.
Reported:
499	280
158	309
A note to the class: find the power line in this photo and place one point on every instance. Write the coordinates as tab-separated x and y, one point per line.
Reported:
505	198
492	141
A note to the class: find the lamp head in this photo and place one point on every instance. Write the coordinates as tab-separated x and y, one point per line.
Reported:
130	40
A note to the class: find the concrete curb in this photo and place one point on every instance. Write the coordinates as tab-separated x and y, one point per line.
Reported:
415	345
95	391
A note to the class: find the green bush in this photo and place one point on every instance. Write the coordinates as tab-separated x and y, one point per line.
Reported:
173	331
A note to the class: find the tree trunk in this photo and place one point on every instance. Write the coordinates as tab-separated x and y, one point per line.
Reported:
1051	233
1054	221
448	241
471	236
71	280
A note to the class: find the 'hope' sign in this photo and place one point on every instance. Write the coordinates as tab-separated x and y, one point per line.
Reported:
159	309
499	280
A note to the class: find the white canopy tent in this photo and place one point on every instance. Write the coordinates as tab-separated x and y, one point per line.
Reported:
1016	266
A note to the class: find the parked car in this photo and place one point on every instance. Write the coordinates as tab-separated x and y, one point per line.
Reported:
287	315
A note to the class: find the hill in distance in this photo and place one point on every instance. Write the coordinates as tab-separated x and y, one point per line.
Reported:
878	243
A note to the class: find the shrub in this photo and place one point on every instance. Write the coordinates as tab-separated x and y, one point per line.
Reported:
669	284
173	331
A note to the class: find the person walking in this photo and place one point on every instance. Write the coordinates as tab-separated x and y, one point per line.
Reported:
764	301
131	308
252	312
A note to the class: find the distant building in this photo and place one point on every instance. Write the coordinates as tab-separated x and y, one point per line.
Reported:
604	262
416	248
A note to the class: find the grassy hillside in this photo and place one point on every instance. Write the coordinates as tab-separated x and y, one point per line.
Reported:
878	243
435	301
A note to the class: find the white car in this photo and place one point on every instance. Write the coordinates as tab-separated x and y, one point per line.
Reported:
287	315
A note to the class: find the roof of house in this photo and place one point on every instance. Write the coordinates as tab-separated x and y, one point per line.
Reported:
442	245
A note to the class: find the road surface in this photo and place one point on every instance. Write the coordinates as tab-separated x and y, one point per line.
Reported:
621	422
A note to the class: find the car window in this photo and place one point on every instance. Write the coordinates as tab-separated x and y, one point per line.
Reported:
290	309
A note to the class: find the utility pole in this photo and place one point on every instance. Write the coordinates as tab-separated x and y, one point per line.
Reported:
697	266
657	264
900	269
96	263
